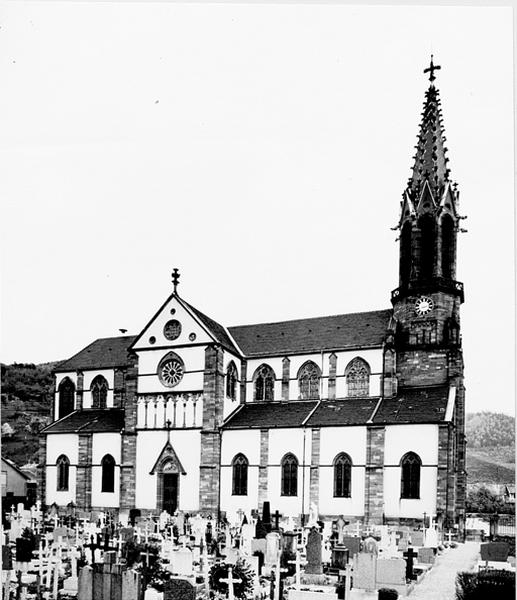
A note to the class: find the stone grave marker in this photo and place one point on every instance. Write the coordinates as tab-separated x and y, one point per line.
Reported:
339	558
352	543
131	585
410	555
85	587
431	538
426	556
313	551
417	538
181	561
365	570
495	551
179	589
391	572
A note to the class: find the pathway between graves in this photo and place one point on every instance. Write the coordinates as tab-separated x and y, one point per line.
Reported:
440	582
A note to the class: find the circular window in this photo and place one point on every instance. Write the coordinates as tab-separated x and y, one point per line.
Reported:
170	372
152	340
192	337
172	329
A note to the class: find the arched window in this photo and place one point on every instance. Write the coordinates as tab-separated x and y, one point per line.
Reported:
289	475
66	397
99	390
63	468
108	473
357	378
309	381
410	478
240	475
264	383
231	381
342	476
448	247
405	253
427	239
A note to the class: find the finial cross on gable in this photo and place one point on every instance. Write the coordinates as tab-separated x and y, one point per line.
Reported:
175	278
431	69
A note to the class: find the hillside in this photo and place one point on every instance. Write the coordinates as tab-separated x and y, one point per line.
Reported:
27	391
490	448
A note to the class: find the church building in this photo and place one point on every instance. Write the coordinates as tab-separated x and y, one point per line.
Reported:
360	414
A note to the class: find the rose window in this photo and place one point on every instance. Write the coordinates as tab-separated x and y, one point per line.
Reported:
171	372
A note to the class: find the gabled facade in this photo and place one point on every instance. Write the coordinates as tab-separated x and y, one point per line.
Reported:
361	414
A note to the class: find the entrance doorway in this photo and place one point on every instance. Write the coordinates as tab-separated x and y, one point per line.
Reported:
170	492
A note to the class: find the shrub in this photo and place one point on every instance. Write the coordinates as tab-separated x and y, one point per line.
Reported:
387	594
485	584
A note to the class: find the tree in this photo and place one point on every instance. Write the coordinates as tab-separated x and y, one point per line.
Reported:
7	430
482	500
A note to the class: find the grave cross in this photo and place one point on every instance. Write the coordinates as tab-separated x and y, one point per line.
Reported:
278	570
146	554
230	581
410	555
298	564
347	573
449	536
277	516
92	546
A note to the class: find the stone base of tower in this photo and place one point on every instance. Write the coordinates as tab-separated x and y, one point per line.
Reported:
209	472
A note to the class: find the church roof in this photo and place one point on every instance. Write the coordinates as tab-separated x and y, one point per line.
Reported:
218	331
355	330
414	405
89	420
350	411
103	353
270	414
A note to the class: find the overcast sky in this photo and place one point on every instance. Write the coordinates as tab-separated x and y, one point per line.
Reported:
261	148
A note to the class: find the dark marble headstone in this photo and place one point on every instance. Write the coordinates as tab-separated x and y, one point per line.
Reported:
260	530
127	534
313	551
7	559
339	558
266	516
352	543
134	513
179	589
24	548
495	551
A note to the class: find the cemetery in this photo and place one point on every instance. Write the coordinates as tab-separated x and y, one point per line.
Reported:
67	553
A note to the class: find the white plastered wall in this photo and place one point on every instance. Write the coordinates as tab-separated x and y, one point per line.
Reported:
187	445
373	357
57	444
247	442
102	444
72	375
193	358
333	441
400	439
281	442
189	325
89	376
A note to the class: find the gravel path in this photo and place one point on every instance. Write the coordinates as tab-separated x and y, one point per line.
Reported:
440	582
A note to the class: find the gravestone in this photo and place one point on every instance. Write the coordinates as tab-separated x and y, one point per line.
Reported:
426	556
85	587
179	589
340	526
266	516
127	534
410	557
431	538
258	546
403	543
339	558
365	570
7	559
417	538
247	534
313	551
352	543
391	572
131	585
495	551
272	548
260	530
181	561
370	545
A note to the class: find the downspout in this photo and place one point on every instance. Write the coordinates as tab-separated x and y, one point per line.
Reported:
303	477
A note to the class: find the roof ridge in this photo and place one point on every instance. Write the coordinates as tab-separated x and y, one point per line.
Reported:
362	312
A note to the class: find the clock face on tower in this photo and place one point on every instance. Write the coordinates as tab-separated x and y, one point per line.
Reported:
423	306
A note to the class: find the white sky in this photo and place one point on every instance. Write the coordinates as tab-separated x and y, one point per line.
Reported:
261	148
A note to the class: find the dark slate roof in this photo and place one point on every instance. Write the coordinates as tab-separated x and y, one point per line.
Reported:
92	420
414	405
351	411
271	414
104	353
218	331
356	330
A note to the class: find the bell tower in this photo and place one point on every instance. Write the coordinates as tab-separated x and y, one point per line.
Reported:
426	303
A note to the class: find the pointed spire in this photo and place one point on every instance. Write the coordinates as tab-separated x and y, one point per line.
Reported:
430	160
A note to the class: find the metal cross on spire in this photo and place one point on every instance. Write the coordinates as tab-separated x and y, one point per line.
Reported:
431	69
175	278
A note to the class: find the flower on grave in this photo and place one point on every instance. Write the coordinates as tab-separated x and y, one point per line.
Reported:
242	590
